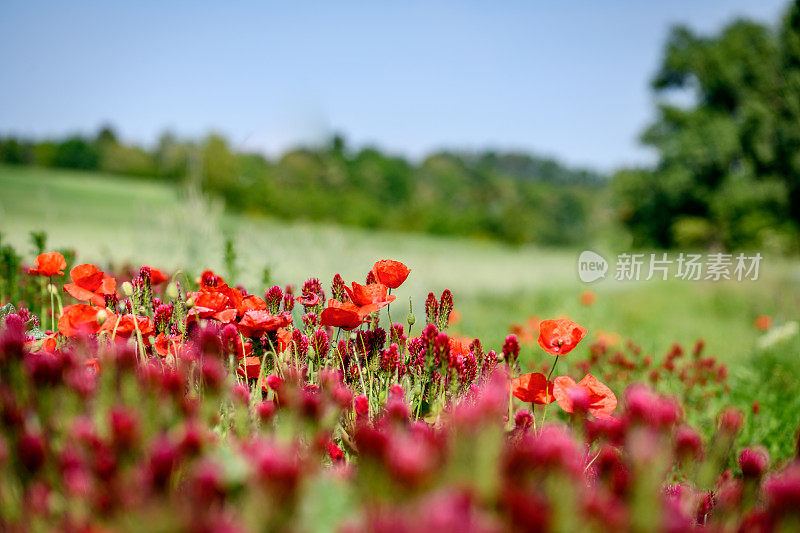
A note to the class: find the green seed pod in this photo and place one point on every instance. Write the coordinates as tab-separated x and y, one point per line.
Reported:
127	289
172	291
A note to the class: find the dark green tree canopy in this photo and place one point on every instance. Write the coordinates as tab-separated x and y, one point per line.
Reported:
728	170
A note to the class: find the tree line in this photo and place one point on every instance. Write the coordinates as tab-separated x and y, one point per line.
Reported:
514	197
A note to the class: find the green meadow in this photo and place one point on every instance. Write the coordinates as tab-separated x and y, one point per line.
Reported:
113	220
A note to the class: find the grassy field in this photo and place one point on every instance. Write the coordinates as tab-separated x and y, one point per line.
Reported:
108	218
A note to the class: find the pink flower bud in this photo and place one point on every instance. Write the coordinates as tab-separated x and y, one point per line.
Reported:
753	463
361	405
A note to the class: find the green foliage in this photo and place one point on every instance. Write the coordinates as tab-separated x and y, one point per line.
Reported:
766	388
507	196
10	263
731	156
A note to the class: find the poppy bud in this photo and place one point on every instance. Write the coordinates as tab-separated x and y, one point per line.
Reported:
127	289
101	317
52	289
189	303
410	319
172	291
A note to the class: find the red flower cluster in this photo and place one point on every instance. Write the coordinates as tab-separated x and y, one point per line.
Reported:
164	426
364	300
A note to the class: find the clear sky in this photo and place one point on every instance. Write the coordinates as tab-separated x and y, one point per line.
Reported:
566	78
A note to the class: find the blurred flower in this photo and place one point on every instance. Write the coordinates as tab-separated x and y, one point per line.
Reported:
777	335
588	298
48	264
763	322
601	400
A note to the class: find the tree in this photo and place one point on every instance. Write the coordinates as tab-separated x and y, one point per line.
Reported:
731	156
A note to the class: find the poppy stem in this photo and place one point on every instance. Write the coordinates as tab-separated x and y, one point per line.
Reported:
275	360
552	368
389	312
140	341
52	305
547	385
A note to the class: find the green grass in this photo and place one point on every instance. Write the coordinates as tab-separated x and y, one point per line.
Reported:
108	218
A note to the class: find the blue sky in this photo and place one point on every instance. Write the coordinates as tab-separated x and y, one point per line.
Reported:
566	78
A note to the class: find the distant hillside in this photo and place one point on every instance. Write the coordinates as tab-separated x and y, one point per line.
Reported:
514	197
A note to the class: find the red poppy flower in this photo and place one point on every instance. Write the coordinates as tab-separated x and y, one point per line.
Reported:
533	388
284	338
251	303
218	301
602	400
122	327
370	297
48	264
559	337
250	367
391	273
168	345
459	345
79	318
309	300
212	304
157	277
90	284
258	322
47	344
341	315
